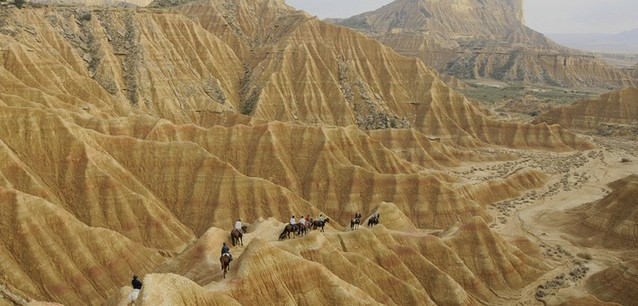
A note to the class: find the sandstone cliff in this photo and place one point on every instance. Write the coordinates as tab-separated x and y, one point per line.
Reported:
300	70
482	39
130	139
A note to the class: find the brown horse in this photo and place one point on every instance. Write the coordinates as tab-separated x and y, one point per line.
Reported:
302	228
318	223
289	228
237	237
225	262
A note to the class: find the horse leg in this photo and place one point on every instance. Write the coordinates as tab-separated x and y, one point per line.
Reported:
222	262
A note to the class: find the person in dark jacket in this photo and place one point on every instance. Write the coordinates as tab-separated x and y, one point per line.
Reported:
136	283
137	286
226	250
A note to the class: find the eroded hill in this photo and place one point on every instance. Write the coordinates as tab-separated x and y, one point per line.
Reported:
131	139
483	39
614	113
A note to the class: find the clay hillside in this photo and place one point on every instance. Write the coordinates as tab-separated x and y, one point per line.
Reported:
472	39
604	229
614	113
132	139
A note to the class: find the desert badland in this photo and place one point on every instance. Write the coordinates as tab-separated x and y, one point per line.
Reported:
132	139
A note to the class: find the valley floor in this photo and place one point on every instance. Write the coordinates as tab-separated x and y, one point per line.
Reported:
542	215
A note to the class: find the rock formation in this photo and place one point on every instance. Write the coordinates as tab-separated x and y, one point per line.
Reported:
613	221
472	39
615	284
612	113
376	266
130	139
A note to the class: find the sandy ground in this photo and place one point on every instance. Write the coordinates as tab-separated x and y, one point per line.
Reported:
576	178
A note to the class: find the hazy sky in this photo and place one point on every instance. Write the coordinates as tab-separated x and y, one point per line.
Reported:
546	16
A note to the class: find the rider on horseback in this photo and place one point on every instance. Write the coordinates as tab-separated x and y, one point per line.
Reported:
238	225
302	225
226	250
292	222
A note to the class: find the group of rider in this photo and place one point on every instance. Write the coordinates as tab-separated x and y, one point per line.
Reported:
302	220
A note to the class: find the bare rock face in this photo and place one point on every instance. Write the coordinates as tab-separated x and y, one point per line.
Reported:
613	221
613	284
482	39
608	114
131	139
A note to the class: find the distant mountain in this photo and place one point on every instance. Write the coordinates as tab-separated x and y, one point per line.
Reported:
625	42
472	39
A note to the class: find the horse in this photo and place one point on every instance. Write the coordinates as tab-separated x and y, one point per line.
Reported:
225	262
374	220
237	237
354	223
319	223
302	229
289	228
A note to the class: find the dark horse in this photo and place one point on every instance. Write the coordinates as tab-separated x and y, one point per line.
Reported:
318	223
289	228
225	261
374	220
237	236
354	223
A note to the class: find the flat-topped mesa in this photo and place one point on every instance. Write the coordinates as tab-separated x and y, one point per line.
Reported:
462	19
482	39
